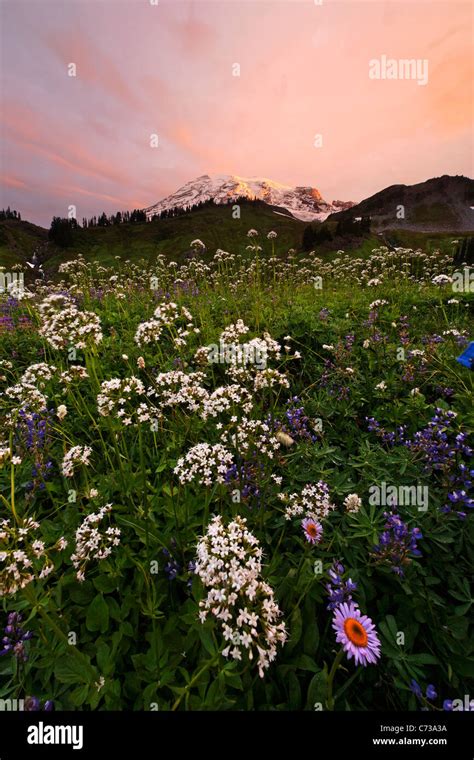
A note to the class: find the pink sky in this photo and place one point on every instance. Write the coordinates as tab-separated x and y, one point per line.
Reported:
167	69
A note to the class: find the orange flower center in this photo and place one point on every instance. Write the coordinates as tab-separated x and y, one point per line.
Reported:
356	632
312	530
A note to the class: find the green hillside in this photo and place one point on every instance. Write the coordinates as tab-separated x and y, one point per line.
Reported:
213	224
18	240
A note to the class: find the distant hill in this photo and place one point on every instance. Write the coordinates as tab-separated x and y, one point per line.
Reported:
213	224
18	240
439	204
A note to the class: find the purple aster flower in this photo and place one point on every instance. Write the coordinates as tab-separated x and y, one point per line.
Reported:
313	530
416	688
431	692
356	633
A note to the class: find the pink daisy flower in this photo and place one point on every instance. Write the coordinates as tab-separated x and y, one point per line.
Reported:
312	530
356	633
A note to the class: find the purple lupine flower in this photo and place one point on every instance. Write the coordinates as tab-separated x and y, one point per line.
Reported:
397	542
339	591
14	639
172	567
442	450
245	477
32	704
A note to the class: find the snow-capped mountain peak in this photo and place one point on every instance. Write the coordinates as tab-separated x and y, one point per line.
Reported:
304	203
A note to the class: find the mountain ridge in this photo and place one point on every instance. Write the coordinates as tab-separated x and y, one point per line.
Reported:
443	203
303	202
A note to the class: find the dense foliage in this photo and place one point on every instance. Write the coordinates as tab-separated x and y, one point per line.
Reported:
216	474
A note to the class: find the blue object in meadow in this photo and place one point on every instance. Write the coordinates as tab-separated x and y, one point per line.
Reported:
467	357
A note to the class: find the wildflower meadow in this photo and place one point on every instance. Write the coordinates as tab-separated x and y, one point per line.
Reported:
238	482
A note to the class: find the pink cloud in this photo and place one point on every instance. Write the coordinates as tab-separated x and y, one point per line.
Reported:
168	70
10	181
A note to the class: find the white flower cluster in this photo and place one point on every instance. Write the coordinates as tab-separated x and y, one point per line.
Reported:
38	374
313	502
225	398
442	279
229	564
5	364
269	377
117	397
352	503
232	333
5	452
73	374
456	333
64	325
198	245
380	267
167	316
251	435
256	373
177	388
206	463
26	396
75	456
23	558
92	543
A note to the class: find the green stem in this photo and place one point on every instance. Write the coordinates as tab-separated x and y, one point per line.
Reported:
335	665
208	665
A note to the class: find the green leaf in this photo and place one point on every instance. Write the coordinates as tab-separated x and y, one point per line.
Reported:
104	659
294	692
311	638
462	608
97	618
464	666
207	640
79	696
422	659
296	628
305	662
317	690
105	583
73	669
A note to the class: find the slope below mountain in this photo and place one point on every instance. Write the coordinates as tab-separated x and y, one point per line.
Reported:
18	241
439	204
